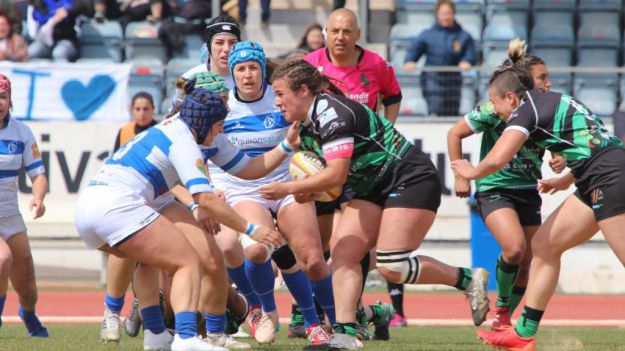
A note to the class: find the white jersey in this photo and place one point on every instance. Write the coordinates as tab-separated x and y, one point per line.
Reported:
256	127
158	158
17	149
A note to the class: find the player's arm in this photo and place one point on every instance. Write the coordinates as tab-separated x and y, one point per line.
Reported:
40	187
459	131
392	111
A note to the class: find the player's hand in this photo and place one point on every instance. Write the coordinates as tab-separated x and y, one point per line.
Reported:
37	208
208	224
292	136
267	236
553	185
274	190
220	194
557	163
462	187
462	168
303	198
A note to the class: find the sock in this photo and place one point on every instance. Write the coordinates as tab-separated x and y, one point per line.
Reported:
345	328
322	290
464	278
153	319
506	275
396	292
243	284
527	326
28	316
515	297
215	323
3	298
186	324
300	288
319	309
364	265
114	304
262	279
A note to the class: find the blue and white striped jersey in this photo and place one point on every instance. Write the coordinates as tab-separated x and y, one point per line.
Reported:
18	149
157	159
256	127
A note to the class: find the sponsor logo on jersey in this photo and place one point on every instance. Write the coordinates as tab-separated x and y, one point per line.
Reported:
270	121
332	128
596	196
36	153
322	105
201	166
363	97
327	116
456	46
12	147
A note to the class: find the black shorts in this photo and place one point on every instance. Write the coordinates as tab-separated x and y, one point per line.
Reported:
414	183
602	186
525	202
325	208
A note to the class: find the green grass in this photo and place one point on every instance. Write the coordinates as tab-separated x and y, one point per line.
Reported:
69	338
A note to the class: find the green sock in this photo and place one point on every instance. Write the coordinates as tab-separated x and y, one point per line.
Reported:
506	275
527	326
296	315
465	275
345	328
515	297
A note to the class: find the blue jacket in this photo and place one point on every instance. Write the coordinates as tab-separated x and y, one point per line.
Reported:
42	15
442	46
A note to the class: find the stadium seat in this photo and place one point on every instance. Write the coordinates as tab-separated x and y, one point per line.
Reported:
147	75
472	23
413	103
600	95
101	41
598	46
561	81
548	12
175	68
400	38
598	18
419	11
142	42
192	45
554	44
495	42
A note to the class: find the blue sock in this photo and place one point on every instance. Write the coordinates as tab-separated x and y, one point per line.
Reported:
300	288
324	295
215	323
262	279
28	316
114	304
243	284
186	324
3	298
153	319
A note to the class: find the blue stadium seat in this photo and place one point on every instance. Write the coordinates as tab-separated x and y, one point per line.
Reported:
101	41
400	37
416	11
507	12
600	5
598	46
142	42
554	44
472	23
175	68
561	81
600	95
192	45
495	42
148	75
412	103
547	12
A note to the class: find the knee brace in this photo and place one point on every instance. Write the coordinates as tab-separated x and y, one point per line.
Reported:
404	262
284	258
246	242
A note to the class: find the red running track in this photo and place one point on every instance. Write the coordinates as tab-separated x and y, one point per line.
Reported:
429	309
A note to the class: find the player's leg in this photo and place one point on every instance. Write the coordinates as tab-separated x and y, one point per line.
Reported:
119	273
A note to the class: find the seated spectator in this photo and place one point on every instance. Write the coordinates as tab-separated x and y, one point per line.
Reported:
100	10
141	10
444	44
54	34
16	11
12	46
311	41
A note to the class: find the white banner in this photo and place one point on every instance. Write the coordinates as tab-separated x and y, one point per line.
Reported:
68	91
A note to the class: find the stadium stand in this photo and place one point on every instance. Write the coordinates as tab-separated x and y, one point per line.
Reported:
101	41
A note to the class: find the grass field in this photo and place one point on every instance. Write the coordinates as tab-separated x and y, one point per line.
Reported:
69	338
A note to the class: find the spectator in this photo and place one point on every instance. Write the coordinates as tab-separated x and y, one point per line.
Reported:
141	10
100	10
142	110
311	41
16	11
53	33
444	44
12	46
264	16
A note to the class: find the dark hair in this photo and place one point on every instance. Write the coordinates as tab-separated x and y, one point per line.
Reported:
300	72
10	20
449	3
303	42
142	95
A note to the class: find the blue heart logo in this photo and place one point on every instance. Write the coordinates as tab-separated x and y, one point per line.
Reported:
83	100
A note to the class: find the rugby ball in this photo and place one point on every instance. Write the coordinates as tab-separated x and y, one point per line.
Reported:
306	163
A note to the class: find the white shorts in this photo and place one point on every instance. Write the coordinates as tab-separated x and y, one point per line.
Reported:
11	225
235	195
109	214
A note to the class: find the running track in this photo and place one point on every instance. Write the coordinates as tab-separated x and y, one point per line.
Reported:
444	309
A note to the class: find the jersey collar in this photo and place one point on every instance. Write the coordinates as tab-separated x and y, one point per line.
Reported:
362	54
311	111
6	121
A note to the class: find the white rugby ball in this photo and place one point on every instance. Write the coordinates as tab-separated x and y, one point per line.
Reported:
306	163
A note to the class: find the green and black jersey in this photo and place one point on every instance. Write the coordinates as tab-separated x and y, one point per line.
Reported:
562	124
522	171
336	124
